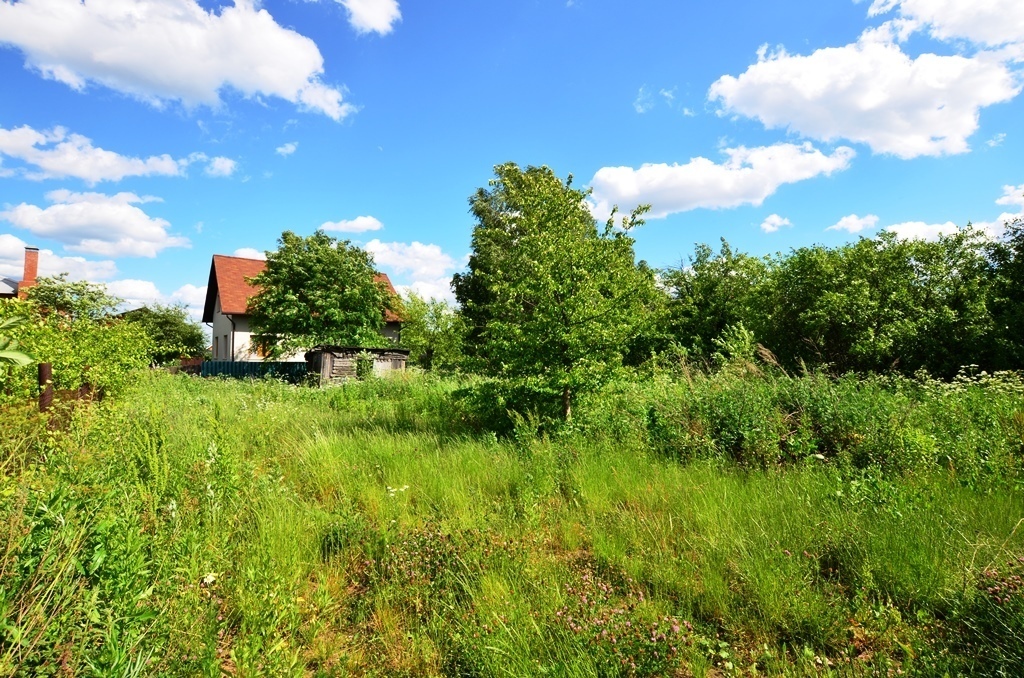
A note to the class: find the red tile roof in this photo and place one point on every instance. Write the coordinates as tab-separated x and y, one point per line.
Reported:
228	278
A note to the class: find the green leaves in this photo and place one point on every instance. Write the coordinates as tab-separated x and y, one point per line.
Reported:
104	353
549	299
172	332
316	291
9	354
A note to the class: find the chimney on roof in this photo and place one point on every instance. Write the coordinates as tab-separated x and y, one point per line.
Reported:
28	278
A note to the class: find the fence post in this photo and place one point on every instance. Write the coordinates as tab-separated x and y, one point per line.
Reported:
46	386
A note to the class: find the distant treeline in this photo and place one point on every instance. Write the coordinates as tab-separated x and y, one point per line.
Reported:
875	305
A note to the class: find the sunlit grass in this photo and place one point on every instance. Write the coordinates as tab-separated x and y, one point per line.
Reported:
199	527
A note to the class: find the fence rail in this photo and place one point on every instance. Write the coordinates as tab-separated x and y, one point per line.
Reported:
250	370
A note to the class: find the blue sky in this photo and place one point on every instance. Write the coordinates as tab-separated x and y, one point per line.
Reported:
139	137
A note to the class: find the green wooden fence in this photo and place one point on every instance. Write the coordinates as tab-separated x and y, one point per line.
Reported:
253	370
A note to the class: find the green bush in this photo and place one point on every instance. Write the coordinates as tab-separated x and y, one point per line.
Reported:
103	353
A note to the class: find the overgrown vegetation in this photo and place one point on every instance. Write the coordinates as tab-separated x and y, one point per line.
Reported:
807	464
876	305
379	528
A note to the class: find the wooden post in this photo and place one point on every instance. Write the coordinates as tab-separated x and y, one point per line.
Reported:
45	386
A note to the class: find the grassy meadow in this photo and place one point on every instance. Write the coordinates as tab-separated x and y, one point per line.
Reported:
738	523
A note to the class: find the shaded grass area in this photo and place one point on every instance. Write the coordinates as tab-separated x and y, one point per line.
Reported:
710	526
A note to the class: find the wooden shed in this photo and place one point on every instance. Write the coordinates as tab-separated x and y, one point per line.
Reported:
337	363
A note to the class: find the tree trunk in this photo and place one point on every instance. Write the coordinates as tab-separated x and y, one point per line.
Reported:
566	404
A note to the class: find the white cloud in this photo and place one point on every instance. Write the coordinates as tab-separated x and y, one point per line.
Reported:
190	295
136	293
1012	195
644	100
871	92
96	223
12	262
987	22
171	50
997	140
372	16
746	177
357	225
56	153
426	264
773	222
221	167
854	224
288	148
250	253
919	230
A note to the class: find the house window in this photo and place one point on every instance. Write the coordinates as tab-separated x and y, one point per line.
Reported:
216	348
227	348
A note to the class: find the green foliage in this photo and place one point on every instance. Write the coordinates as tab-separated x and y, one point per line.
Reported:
364	365
714	292
876	305
172	333
317	291
206	527
105	353
433	332
1007	297
9	353
77	300
551	301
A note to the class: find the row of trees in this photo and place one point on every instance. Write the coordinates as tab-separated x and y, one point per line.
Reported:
553	303
878	304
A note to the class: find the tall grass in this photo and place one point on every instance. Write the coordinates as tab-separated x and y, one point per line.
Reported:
700	525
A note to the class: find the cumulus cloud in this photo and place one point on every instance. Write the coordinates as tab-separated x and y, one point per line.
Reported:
221	167
428	266
357	225
56	153
12	262
746	177
773	222
288	148
1012	195
136	293
992	23
96	223
372	16
250	253
171	50
854	224
871	92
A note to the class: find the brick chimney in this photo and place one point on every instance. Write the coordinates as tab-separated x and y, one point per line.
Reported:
28	279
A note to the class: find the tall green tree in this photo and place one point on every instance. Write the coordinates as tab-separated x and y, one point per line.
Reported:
173	333
552	301
317	290
433	332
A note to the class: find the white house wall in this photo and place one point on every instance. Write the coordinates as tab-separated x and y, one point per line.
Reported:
223	333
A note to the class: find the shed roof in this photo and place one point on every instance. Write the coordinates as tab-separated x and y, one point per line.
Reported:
8	287
229	278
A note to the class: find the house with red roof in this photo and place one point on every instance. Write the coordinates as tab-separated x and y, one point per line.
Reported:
227	308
